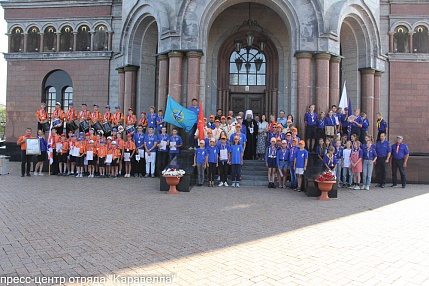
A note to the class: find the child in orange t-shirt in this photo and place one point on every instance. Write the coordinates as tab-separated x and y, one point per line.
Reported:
116	155
91	149
102	153
80	144
62	156
130	148
120	145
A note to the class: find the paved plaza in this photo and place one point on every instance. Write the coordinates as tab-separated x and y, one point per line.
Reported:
117	232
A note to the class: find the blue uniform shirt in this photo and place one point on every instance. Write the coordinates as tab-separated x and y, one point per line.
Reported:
213	153
43	144
223	147
339	153
369	153
236	151
292	152
383	148
282	155
150	141
242	138
345	120
201	154
160	119
178	141
382	125
163	137
300	156
270	153
211	125
331	162
151	120
358	120
365	124
402	151
139	139
321	123
310	118
330	121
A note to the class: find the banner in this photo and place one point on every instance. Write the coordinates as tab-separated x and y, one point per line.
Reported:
179	116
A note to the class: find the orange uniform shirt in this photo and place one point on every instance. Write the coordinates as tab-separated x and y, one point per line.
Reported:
120	144
42	115
130	120
95	116
71	114
53	140
84	115
107	117
143	122
81	146
129	146
58	113
116	117
65	148
115	152
93	149
102	151
24	144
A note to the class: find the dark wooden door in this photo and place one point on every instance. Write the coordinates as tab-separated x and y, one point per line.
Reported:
243	102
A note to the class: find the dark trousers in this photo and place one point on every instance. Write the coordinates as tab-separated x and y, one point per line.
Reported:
172	156
212	171
381	170
223	170
54	166
162	160
356	130
320	133
236	172
25	159
193	142
398	164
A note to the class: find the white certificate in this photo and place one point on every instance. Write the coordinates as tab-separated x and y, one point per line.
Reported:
33	146
141	153
90	155
138	157
59	147
109	158
173	146
150	158
251	130
163	145
223	154
75	151
127	157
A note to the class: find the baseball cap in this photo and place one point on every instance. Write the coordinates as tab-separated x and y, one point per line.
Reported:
212	116
143	112
81	133
129	135
71	103
117	107
302	142
295	140
236	137
223	117
87	134
109	137
115	130
223	137
212	140
74	135
217	120
130	109
400	137
238	125
91	141
209	131
229	117
113	142
95	104
58	103
79	139
63	135
108	106
84	103
102	141
278	139
293	129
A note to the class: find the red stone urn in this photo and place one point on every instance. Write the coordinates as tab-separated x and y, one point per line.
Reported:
324	187
172	181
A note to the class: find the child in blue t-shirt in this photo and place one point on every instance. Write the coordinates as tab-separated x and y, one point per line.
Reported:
224	160
175	144
236	150
329	159
201	161
300	163
213	153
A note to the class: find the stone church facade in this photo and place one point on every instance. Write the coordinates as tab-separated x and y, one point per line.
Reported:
235	55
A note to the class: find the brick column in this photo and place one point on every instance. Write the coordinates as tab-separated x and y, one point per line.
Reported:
25	42
162	81
377	95
175	76
193	80
322	82
391	41
121	86
130	88
367	80
58	41
304	87
410	42
334	81
74	41
41	45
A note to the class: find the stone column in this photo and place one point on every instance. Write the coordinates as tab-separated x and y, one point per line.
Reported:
175	76
410	40
41	45
193	84
391	42
121	86
304	87
109	41
58	41
334	81
130	88
377	96
322	82
25	42
92	41
74	41
162	81
367	79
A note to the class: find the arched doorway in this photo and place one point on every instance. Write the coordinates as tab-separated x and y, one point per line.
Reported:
57	87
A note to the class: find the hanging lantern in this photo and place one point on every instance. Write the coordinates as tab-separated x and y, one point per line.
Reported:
238	63
258	63
249	39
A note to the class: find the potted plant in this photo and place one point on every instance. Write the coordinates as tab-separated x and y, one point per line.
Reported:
172	177
324	184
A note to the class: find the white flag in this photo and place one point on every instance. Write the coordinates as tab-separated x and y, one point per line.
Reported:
344	100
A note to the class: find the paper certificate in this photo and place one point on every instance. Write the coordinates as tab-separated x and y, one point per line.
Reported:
33	146
127	157
223	154
251	130
138	157
150	158
163	145
173	146
109	158
141	153
75	151
59	147
90	155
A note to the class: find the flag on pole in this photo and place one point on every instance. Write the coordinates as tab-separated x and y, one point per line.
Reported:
344	99
178	115
349	113
50	151
200	125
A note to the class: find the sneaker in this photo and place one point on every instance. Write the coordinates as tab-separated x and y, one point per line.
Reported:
28	175
71	174
363	187
225	184
153	176
220	184
35	174
218	178
299	190
356	187
394	186
146	176
281	186
367	188
81	176
190	148
233	184
382	186
269	185
41	174
237	185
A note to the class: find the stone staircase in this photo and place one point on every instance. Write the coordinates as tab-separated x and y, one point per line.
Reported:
254	173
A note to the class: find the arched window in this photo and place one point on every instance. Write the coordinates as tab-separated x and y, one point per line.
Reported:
100	38
67	97
248	67
66	42
420	40
50	99
83	39
17	41
400	43
33	40
49	40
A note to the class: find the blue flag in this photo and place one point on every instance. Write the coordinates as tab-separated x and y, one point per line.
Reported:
179	116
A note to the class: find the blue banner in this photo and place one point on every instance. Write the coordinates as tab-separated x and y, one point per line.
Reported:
179	116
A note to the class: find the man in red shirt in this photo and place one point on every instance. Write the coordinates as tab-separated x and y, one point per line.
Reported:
25	159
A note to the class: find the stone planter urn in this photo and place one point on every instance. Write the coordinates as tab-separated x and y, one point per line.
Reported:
324	187
172	181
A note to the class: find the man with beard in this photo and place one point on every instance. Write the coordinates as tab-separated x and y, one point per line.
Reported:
251	134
